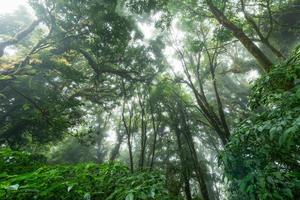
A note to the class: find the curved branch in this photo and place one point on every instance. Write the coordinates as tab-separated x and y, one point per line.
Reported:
106	68
19	36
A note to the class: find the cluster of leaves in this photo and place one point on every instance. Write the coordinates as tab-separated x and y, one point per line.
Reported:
34	111
110	181
18	162
282	82
262	158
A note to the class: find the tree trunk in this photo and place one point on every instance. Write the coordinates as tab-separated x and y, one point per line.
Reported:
197	167
203	106
211	117
115	151
184	169
261	58
219	102
128	132
155	128
263	39
143	135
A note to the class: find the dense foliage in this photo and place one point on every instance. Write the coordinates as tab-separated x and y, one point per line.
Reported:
150	99
262	158
111	181
18	162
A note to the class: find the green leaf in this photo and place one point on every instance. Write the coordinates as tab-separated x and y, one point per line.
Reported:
70	188
5	77
298	93
130	196
288	192
26	106
3	175
286	134
260	128
142	195
273	132
87	196
152	193
13	187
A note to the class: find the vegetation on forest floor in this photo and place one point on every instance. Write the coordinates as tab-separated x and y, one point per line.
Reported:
109	181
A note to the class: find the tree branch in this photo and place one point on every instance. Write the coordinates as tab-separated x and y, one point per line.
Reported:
19	36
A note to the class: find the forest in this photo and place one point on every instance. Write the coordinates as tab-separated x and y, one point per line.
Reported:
150	100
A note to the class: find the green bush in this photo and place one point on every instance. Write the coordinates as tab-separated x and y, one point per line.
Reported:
110	181
262	158
17	162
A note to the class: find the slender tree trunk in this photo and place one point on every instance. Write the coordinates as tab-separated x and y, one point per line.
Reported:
184	169
143	135
211	118
196	163
261	58
187	188
203	106
155	128
128	132
215	189
198	170
219	102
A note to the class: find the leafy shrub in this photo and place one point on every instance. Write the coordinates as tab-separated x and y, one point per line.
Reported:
17	162
262	159
110	181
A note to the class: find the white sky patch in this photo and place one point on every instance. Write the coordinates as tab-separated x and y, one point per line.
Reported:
175	43
111	136
10	51
172	59
252	75
176	36
148	29
9	6
148	26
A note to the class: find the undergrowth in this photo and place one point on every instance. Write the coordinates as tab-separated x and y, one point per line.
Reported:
89	181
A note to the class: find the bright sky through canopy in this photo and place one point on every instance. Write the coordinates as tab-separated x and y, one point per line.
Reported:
8	6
